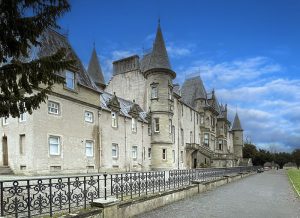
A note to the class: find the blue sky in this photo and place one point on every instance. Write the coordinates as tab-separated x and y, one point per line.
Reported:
248	50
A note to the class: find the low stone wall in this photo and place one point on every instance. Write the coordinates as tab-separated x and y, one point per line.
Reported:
114	208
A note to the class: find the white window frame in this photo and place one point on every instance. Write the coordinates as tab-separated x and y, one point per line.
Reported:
156	124
89	144
115	147
134	152
52	109
134	125
58	145
87	117
70	77
114	119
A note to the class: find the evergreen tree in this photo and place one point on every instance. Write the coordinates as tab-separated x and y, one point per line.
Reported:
25	83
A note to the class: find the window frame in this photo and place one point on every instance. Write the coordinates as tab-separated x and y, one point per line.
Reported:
164	154
133	124
92	148
156	125
149	153
206	138
134	152
114	117
116	149
85	116
5	121
49	107
154	91
58	145
68	72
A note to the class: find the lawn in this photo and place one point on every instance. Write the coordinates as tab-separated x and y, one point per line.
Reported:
294	175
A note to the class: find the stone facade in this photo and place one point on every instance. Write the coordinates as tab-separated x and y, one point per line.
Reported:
139	121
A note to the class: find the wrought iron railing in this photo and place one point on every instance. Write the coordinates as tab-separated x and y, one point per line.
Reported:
32	197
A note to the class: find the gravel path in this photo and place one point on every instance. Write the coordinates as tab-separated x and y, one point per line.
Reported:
264	195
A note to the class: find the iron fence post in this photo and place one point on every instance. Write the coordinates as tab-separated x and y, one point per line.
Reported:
84	191
69	194
105	191
28	198
50	201
1	200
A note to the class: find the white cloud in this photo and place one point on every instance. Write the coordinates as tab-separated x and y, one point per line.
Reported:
175	51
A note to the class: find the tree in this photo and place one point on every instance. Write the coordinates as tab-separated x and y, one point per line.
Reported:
25	83
282	158
249	151
296	157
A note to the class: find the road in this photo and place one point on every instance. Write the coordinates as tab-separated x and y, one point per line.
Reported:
264	195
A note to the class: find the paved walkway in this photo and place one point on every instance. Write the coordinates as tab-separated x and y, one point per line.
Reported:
264	195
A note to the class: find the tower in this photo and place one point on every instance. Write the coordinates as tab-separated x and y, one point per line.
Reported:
95	71
159	76
237	137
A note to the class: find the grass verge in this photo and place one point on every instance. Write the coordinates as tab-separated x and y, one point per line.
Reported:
294	175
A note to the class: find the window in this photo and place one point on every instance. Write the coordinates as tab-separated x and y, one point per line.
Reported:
70	80
181	156
182	110
164	154
115	151
89	148
191	137
53	107
173	134
191	112
4	121
220	145
154	92
197	118
170	93
89	116
182	137
134	152
22	117
199	138
173	154
149	153
149	129
202	119
170	126
114	119
133	125
22	143
156	124
54	145
206	139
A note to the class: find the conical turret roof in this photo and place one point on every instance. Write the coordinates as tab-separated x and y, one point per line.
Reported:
159	57
94	69
236	126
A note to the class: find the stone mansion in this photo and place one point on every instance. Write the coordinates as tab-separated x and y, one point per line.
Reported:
140	120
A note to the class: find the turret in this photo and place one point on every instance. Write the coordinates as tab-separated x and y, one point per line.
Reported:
159	76
238	142
95	71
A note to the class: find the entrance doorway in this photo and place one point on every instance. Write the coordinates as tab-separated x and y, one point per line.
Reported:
195	162
5	151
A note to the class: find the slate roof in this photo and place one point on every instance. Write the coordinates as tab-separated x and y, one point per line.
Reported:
51	41
213	101
236	126
125	106
94	69
158	58
193	89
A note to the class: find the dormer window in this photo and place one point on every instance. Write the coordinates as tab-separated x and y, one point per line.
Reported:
133	125
70	80
114	120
